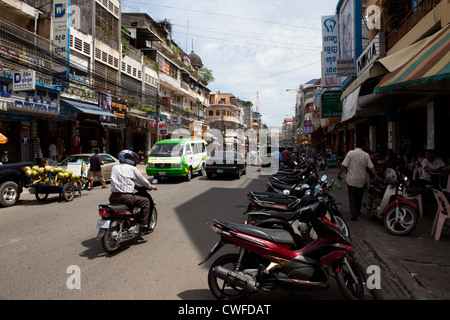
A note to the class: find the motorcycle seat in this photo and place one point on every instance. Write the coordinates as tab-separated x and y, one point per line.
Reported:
282	186
290	202
272	195
279	236
284	215
118	206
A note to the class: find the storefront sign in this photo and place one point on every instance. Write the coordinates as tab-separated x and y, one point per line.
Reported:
163	131
330	50
41	100
24	80
373	51
307	126
106	103
175	120
61	38
331	104
346	67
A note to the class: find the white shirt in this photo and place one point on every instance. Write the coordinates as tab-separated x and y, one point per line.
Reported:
438	163
124	177
357	162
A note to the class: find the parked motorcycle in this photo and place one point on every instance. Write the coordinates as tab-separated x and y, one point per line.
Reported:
282	211
268	258
389	202
119	223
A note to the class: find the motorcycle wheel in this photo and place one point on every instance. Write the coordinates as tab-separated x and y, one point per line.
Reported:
342	224
153	219
218	287
402	224
109	244
351	289
371	207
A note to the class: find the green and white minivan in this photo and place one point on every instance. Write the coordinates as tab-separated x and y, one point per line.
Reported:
177	158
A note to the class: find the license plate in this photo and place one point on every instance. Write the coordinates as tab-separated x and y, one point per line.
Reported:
103	224
219	170
162	173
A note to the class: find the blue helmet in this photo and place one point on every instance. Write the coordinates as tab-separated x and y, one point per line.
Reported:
129	157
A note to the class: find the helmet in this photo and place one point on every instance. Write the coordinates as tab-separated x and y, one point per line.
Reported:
310	163
129	157
392	177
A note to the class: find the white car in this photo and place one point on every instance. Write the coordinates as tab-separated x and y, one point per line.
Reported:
108	162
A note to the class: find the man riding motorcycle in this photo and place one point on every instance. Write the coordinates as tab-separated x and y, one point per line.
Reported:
124	177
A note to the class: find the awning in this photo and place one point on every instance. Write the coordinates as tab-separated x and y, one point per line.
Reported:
427	61
349	105
89	108
3	139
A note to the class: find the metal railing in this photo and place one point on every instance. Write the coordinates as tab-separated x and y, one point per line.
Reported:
413	17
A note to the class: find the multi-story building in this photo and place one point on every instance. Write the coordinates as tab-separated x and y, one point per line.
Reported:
126	81
224	112
398	98
287	133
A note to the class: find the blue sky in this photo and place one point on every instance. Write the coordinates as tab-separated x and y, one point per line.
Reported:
251	46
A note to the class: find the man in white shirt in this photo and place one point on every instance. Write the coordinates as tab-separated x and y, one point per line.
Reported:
124	177
356	163
430	164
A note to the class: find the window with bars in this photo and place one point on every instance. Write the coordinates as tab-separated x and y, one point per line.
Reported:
106	26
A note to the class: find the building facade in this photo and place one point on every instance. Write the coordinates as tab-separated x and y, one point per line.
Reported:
125	83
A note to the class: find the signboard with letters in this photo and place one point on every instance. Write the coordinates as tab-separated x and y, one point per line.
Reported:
24	80
330	51
331	104
61	40
41	100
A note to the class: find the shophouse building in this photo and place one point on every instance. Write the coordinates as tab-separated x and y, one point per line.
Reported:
124	82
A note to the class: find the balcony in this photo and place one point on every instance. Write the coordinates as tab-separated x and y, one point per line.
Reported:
35	54
411	19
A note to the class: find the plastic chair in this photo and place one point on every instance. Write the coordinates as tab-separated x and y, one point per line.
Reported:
447	189
416	175
442	213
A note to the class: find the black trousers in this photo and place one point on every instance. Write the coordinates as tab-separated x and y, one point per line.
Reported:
355	199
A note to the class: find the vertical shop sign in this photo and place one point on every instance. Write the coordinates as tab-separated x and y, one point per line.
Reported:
61	41
330	50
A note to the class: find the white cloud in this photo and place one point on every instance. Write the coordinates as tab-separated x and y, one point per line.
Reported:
250	46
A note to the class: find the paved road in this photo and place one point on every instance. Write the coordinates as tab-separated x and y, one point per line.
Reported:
40	241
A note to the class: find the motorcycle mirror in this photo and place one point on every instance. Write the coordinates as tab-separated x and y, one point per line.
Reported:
324	178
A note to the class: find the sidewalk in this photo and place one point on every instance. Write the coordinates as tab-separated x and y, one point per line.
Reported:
412	267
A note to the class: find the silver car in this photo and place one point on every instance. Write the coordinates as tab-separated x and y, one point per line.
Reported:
108	162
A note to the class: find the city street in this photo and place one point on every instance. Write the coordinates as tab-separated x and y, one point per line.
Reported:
40	241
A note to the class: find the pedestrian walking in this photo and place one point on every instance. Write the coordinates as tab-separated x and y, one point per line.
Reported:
96	163
356	162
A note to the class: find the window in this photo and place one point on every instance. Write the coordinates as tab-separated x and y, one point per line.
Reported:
106	159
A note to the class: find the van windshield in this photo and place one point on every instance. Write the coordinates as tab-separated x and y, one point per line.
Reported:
167	150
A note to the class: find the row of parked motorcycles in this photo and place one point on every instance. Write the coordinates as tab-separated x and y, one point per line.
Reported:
293	237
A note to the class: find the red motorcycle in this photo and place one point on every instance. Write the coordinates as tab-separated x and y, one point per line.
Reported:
267	258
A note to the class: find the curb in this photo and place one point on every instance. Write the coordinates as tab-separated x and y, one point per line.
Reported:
392	287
